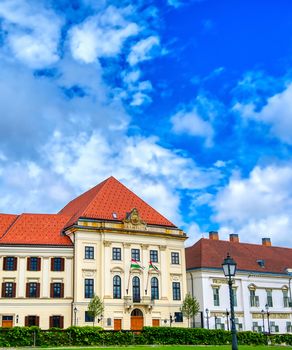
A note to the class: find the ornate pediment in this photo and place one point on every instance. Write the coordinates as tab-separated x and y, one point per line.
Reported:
133	220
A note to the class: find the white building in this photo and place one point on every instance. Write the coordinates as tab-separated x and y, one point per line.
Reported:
261	285
51	265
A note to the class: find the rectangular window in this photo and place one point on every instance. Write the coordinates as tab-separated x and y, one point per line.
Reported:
176	290
57	290
117	254
56	321
57	264
178	317
8	289
89	252
285	298
88	317
269	298
216	299
88	288
32	290
254	299
9	263
33	264
175	258
136	254
32	321
154	256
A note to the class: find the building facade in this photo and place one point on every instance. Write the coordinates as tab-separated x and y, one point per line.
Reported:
107	242
262	294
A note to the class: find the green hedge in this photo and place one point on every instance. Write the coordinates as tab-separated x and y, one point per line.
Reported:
82	336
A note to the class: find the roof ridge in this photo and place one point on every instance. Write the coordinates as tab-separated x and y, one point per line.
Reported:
9	227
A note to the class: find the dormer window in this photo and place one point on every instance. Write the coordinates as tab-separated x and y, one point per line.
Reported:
261	263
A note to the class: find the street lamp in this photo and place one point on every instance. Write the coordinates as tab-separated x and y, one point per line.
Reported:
227	318
75	314
268	317
229	269
207	317
263	317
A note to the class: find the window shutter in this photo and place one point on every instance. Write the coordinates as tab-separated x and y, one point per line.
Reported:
52	290
37	320
51	321
39	264
28	264
52	264
15	263
13	290
26	321
61	321
3	290
62	290
38	290
27	290
5	263
62	264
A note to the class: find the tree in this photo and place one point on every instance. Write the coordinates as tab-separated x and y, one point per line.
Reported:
190	307
95	307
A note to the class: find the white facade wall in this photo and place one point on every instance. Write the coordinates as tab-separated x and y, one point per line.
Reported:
205	280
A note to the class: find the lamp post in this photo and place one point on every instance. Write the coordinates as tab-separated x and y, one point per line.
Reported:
263	317
268	317
207	317
229	269
75	315
227	318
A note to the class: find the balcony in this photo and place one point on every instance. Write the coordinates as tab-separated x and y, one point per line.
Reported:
130	301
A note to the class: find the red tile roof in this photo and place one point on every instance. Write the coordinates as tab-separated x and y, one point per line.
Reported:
100	202
109	197
33	229
6	220
210	253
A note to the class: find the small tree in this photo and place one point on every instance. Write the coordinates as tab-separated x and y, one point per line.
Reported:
95	307
190	307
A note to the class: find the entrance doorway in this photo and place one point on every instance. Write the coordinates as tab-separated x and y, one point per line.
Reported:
137	320
117	324
155	322
7	321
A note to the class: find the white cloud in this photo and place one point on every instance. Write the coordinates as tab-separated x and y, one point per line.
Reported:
101	35
141	163
191	123
277	113
32	32
257	206
143	50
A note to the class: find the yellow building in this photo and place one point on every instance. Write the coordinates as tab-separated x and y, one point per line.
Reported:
107	242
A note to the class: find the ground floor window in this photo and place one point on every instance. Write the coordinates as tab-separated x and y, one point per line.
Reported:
88	317
56	321
32	321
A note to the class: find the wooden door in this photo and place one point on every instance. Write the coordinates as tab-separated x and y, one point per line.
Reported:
137	323
7	323
117	324
155	322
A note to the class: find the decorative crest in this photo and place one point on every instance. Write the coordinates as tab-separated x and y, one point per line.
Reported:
133	218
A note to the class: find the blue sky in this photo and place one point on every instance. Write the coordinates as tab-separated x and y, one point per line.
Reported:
188	103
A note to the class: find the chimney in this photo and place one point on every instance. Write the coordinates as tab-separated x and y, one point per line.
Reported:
266	242
233	237
213	235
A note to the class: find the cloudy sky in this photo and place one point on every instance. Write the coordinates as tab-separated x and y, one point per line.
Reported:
188	103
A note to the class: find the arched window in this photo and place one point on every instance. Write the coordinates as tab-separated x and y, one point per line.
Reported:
136	289
117	293
154	288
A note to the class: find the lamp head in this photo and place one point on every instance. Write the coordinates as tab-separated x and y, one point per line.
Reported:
229	266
